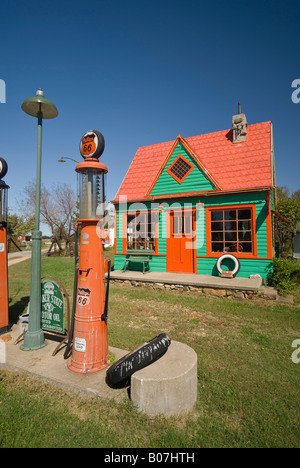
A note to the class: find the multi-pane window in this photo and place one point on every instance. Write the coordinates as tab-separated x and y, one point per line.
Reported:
231	230
180	169
141	229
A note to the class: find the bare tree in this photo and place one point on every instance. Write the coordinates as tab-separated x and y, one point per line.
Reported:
56	207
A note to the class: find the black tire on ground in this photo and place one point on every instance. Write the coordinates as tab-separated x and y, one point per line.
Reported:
141	357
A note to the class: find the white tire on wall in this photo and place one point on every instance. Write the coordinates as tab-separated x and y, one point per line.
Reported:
236	261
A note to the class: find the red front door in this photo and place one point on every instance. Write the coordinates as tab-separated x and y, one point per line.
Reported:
181	241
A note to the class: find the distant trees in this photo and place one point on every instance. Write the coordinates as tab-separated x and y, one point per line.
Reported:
57	208
288	206
18	226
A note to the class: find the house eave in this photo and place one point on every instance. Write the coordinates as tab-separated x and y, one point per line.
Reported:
216	193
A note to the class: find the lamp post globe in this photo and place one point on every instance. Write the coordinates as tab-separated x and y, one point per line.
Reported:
41	108
39	104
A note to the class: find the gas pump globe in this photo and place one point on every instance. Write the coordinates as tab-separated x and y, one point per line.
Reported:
3	250
90	345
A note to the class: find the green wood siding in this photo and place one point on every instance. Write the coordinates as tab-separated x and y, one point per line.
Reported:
119	230
157	263
200	232
207	266
272	195
204	265
195	181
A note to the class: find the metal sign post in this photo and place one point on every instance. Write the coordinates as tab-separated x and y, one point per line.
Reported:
41	108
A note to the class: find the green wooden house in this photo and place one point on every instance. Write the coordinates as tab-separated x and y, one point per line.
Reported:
187	203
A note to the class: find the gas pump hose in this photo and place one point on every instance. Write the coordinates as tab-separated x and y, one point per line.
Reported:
71	331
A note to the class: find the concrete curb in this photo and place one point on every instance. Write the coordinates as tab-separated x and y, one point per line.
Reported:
41	365
169	385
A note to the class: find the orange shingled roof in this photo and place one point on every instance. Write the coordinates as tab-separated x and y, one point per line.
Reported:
234	166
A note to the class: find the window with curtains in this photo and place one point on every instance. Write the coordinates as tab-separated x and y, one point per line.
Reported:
232	230
182	224
141	230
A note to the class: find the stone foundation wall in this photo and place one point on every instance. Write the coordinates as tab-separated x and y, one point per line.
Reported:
230	293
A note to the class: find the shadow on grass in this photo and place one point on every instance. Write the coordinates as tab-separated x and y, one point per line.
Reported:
18	309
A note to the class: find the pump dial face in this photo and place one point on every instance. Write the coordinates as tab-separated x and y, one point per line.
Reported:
92	144
3	168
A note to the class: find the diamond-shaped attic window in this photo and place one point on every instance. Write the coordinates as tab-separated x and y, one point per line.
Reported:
180	169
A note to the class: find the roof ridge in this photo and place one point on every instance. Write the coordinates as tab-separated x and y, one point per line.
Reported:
201	134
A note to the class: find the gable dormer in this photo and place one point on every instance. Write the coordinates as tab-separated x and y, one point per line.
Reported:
182	172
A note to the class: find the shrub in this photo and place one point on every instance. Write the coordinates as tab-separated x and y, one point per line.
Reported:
286	275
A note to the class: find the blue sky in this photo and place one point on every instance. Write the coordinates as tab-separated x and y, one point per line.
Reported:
142	72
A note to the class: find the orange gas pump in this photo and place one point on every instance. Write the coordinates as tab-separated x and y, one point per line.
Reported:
90	345
3	250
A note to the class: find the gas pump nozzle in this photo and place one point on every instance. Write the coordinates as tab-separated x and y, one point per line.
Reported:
104	315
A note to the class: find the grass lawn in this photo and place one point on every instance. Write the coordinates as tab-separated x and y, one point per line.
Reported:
248	386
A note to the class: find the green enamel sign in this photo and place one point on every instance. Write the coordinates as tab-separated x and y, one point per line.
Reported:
52	307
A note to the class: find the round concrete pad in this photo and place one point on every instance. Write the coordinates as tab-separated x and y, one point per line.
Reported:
169	385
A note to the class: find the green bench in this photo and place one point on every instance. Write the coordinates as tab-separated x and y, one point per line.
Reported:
137	256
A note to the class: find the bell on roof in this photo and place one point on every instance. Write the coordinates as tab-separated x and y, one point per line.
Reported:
239	126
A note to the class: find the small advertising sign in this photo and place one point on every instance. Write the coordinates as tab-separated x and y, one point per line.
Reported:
52	307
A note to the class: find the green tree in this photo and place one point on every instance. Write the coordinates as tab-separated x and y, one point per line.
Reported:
296	195
18	226
286	228
282	193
